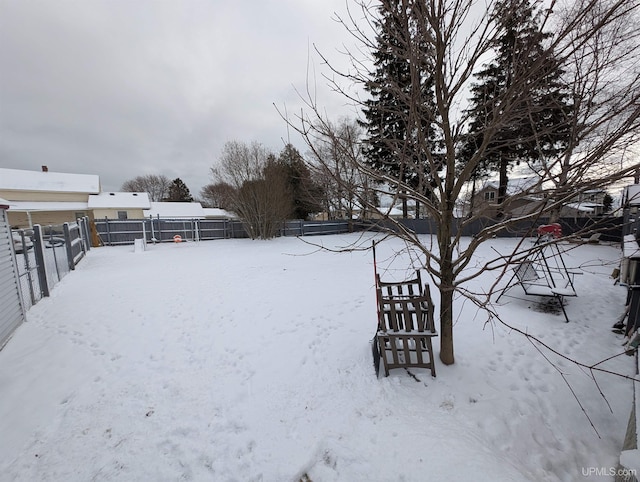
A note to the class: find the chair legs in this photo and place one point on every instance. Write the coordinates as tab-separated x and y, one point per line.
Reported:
405	350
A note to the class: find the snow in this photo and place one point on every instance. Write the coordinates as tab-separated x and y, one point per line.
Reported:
218	213
114	200
250	361
22	180
175	210
30	206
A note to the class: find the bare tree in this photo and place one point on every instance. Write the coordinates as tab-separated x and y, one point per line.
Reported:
597	42
218	195
343	183
157	186
261	196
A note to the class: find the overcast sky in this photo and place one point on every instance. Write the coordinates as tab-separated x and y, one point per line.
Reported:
122	88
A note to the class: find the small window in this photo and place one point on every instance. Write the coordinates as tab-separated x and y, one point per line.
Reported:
122	215
489	195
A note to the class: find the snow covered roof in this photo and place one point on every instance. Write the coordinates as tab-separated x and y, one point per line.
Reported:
514	186
31	206
116	200
217	213
175	210
584	207
21	180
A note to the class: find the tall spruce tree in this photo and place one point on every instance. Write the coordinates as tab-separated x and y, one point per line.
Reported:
538	110
179	192
399	115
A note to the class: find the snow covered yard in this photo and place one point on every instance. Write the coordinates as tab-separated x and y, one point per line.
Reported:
250	361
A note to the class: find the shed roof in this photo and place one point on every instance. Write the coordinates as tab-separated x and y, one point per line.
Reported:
22	180
119	200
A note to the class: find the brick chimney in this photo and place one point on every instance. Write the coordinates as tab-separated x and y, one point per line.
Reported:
45	169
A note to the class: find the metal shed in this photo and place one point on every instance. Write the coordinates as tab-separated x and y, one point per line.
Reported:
11	309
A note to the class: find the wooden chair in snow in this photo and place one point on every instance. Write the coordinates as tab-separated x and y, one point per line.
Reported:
405	325
400	289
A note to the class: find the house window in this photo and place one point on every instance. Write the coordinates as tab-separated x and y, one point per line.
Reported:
122	215
489	195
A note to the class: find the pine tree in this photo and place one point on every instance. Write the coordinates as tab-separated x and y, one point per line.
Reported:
538	128
179	192
304	192
399	115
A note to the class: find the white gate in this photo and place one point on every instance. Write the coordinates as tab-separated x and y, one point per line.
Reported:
11	310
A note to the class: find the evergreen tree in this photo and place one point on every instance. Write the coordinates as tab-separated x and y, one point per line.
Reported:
399	116
304	192
538	110
179	192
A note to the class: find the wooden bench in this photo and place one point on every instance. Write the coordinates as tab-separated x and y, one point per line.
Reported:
535	285
405	325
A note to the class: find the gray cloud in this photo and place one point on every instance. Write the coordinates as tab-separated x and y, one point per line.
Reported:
122	88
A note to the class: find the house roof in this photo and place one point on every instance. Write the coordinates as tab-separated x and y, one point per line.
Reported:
22	180
587	207
217	213
515	185
175	210
32	206
119	200
4	204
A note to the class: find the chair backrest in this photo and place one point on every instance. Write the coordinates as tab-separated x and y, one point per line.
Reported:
525	271
400	289
407	314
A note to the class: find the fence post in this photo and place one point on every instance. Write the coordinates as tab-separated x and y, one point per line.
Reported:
38	249
106	224
67	243
83	244
86	234
27	266
159	230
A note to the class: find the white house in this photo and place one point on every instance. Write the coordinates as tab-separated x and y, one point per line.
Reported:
119	205
43	197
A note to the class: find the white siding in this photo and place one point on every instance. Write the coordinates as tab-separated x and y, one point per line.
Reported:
11	313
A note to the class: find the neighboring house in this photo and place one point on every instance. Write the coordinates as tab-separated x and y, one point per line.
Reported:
43	197
119	205
175	210
586	204
522	198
